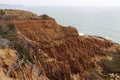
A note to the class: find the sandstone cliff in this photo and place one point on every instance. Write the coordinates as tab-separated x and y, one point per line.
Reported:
37	48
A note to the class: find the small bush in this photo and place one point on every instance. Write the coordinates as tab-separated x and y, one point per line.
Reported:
3	34
2	12
7	29
23	51
44	16
93	74
112	66
8	17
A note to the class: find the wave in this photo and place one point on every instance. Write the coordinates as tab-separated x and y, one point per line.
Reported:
108	38
81	34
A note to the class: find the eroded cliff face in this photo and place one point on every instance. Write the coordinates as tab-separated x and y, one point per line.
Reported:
41	49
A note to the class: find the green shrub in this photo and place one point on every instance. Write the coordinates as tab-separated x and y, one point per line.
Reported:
108	66
3	34
8	17
7	29
93	74
2	12
23	52
44	16
112	66
8	32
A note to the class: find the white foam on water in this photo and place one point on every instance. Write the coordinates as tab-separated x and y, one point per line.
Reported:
108	38
81	34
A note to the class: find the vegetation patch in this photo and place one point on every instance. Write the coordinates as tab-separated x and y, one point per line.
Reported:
2	12
44	16
9	17
111	66
7	31
93	74
4	16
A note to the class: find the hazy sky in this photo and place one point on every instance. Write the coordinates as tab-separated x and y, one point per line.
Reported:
63	2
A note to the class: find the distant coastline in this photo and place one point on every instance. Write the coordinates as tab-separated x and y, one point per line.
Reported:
10	5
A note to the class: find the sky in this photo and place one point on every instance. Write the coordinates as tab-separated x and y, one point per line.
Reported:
62	2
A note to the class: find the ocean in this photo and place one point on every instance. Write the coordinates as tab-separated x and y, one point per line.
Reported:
99	21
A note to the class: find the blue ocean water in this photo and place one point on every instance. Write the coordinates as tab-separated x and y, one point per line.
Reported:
100	21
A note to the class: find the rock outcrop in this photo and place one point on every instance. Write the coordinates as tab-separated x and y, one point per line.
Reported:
40	49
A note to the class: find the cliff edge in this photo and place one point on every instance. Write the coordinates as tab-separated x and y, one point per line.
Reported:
35	47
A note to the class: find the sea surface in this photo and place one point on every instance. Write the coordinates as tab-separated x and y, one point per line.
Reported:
99	21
